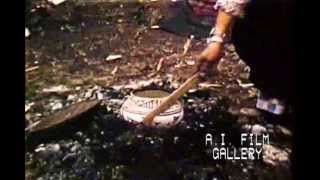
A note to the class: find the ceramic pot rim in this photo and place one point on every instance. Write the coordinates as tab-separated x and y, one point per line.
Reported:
133	95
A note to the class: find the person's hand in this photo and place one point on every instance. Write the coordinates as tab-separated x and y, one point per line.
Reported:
209	58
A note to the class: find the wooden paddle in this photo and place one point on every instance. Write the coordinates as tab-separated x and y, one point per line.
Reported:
66	115
171	99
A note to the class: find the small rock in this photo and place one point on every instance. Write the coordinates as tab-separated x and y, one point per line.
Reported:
75	148
38	114
55	147
244	75
273	155
139	136
249	112
245	170
270	126
190	63
57	106
40	149
87	140
243	120
234	110
32	125
114	71
56	89
82	53
175	139
79	134
116	101
89	93
71	97
246	127
48	151
230	47
244	85
208	85
104	146
100	96
258	129
27	107
253	92
96	87
27	32
283	130
155	27
113	57
56	2
67	145
192	90
69	156
145	83
175	85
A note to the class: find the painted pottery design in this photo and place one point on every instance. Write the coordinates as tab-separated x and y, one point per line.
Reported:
141	102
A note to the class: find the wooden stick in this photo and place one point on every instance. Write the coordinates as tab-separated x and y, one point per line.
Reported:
172	98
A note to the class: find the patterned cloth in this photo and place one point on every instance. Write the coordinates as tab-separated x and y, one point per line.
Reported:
210	7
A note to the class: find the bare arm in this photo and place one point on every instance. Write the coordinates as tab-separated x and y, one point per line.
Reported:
222	26
228	11
223	22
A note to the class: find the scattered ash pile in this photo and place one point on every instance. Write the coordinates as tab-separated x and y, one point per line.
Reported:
107	147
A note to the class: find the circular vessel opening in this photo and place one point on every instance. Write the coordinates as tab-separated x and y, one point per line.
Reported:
151	93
